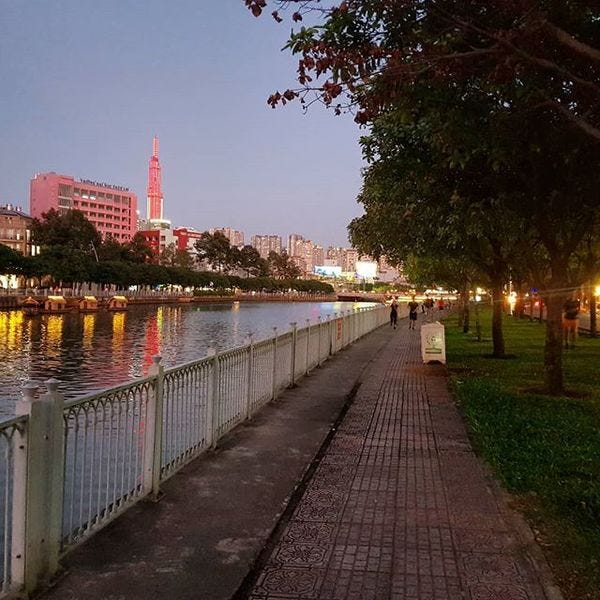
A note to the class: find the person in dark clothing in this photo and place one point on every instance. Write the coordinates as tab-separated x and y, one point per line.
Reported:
413	306
394	313
570	321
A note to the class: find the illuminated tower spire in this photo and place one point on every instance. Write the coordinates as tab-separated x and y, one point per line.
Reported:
155	197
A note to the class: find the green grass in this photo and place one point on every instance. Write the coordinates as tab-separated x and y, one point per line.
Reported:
546	450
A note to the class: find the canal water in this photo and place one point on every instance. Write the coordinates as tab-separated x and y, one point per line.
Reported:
93	351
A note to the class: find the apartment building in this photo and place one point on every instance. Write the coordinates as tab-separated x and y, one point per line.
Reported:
111	208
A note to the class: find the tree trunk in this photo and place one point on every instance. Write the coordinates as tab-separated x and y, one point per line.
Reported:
466	315
553	347
497	333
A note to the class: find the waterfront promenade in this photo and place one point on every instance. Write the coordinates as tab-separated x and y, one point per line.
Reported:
390	502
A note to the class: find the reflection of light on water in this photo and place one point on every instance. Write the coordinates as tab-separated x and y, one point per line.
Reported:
11	324
118	329
54	331
89	323
153	337
99	350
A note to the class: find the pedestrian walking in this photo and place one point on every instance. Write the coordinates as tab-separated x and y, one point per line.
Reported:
413	306
394	313
428	302
570	321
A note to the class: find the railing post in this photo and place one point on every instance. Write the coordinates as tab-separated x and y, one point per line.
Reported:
249	385
334	347
274	384
306	365
319	361
153	438
293	353
38	488
213	400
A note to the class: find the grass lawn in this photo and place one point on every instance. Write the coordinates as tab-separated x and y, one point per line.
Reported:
546	450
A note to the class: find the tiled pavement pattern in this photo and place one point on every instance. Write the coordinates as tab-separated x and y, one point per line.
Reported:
399	507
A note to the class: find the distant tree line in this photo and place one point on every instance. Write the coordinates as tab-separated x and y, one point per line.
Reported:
72	252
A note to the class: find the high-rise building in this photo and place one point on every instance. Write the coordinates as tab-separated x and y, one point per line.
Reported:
111	208
294	242
335	254
155	215
266	243
349	259
318	255
309	254
15	229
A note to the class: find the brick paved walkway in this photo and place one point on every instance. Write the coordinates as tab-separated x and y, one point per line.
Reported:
399	506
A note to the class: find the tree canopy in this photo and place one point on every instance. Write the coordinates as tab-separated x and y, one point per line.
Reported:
365	52
484	124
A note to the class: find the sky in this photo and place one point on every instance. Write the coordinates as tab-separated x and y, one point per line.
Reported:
86	84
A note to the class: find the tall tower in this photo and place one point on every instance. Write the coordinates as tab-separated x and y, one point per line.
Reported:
155	196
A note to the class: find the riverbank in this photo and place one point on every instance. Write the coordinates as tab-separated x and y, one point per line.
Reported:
15	302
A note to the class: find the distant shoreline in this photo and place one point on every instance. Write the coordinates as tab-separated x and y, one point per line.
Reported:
15	302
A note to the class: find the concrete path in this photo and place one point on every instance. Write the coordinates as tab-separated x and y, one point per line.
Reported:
388	503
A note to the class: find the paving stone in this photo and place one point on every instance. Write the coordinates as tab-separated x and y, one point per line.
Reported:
408	508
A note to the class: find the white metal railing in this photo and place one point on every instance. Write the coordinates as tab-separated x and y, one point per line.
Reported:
69	468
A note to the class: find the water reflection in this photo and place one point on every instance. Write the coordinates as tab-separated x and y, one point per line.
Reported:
91	351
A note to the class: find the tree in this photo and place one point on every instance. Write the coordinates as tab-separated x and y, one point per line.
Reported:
167	256
252	263
67	229
450	272
281	266
370	51
422	200
112	250
11	261
214	249
534	65
138	250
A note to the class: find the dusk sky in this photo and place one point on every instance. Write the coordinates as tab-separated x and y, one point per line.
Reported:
86	84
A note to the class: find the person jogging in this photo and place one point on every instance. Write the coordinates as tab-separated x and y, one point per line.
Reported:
413	306
394	313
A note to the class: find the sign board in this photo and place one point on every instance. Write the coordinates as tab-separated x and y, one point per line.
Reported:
433	342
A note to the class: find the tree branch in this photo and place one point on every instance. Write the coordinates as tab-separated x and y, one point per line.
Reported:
568	40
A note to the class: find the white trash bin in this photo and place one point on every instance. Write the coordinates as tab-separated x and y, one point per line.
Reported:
433	342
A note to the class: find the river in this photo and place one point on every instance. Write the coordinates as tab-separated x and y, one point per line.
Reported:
92	351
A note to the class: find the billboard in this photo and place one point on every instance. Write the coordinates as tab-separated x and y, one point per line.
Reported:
366	269
328	271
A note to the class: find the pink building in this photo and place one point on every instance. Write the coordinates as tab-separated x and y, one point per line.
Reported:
111	208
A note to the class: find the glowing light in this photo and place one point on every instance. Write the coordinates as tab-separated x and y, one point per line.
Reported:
597	290
89	324
11	328
118	330
54	331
